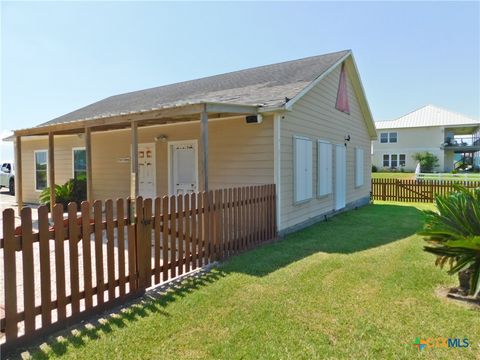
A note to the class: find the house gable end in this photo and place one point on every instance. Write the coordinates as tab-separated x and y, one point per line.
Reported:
355	85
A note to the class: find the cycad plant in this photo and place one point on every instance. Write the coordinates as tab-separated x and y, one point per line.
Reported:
453	235
63	194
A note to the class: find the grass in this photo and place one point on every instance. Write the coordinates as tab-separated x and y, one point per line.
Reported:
411	176
393	175
357	286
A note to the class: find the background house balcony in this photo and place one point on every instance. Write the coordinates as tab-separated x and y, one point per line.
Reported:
462	139
465	143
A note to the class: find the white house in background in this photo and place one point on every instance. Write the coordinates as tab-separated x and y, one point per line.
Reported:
454	138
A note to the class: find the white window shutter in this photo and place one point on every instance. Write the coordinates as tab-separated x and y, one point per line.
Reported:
302	169
324	168
359	165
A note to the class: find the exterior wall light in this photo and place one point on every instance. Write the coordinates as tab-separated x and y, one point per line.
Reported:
162	138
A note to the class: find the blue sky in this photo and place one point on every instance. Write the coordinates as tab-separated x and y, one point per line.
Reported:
57	57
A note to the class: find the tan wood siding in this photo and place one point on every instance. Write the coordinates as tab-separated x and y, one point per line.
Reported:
314	116
240	154
63	162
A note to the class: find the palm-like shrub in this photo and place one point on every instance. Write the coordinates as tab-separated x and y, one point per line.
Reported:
63	194
453	235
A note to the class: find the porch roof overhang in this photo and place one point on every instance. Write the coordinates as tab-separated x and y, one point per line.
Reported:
156	116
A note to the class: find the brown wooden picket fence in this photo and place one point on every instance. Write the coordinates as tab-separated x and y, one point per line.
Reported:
415	190
89	261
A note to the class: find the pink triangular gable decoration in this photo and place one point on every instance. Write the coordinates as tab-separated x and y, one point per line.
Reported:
342	94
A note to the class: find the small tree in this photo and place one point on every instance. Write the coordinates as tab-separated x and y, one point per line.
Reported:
428	161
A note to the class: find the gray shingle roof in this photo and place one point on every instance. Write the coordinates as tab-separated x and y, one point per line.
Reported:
265	86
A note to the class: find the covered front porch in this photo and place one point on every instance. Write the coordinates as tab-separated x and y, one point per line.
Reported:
160	152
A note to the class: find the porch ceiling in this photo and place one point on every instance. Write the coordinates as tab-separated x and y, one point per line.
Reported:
463	130
177	114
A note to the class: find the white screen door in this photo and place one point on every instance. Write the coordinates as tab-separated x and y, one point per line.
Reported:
340	176
184	177
146	170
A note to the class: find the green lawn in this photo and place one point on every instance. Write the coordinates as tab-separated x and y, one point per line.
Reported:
411	176
393	175
357	286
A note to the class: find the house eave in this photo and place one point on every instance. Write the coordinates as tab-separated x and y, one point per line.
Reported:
172	114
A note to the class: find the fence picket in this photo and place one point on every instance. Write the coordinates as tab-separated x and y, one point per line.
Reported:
73	238
158	231
180	233
165	238
140	243
121	246
173	237
147	243
87	260
194	236
60	261
28	275
10	274
45	276
188	232
201	228
110	249
98	229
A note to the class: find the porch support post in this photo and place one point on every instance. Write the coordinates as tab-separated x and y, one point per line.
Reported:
88	155
134	170
51	169
18	172
204	145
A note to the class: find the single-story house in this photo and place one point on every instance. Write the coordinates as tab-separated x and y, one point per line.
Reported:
452	137
303	125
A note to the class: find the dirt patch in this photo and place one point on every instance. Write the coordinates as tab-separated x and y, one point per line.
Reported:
456	297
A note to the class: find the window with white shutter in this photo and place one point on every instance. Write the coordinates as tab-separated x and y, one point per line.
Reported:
302	181
359	167
324	168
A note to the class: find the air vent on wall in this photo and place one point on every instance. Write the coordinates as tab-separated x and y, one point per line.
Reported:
254	119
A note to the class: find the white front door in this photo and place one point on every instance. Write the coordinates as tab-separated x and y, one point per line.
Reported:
184	172
340	176
146	170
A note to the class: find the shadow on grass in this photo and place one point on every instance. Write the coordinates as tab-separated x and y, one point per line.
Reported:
350	232
347	233
153	302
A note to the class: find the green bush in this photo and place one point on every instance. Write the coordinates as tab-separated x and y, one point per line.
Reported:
374	169
74	190
428	161
453	235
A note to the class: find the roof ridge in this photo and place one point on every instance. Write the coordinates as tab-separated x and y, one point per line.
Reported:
265	85
452	111
412	111
230	72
